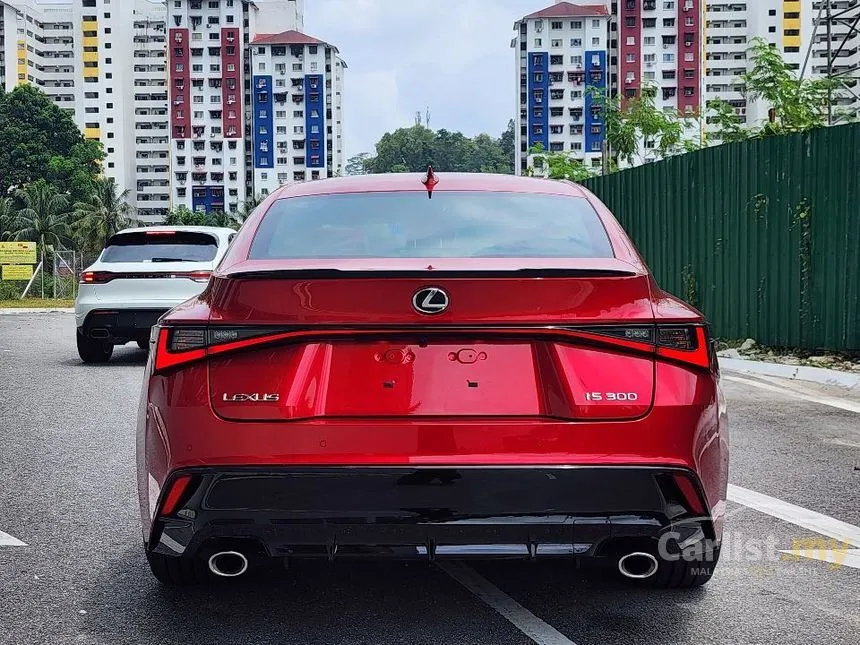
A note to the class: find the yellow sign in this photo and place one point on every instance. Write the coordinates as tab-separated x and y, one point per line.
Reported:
17	271
17	253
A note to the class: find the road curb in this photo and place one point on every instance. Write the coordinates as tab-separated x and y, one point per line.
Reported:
846	380
27	310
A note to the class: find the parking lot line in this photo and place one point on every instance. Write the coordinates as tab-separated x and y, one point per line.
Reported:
842	404
521	618
8	540
797	515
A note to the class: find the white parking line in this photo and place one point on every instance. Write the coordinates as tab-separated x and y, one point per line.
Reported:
842	404
529	624
8	540
797	515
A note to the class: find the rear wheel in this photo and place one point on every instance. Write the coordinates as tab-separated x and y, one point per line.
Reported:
176	571
93	351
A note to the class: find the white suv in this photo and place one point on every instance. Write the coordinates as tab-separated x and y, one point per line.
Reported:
141	274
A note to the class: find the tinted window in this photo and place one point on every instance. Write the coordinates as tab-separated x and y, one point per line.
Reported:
159	246
452	224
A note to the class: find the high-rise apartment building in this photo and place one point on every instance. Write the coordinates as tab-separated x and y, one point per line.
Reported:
658	43
799	30
210	94
297	89
102	61
167	87
151	118
561	51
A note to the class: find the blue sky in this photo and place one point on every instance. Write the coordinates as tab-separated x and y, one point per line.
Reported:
452	56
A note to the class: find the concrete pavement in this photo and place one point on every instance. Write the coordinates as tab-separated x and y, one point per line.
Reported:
67	492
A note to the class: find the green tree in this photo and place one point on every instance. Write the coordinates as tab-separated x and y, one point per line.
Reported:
7	217
487	155
44	219
508	143
630	124
798	104
557	165
220	218
248	207
355	165
183	216
413	149
104	213
726	125
34	132
79	172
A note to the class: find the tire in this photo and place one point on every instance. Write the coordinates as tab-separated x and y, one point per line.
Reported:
176	571
93	351
684	573
143	344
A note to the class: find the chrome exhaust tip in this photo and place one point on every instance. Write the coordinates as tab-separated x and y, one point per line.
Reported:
228	564
99	333
638	565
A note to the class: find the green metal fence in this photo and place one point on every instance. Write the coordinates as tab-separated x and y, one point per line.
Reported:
762	236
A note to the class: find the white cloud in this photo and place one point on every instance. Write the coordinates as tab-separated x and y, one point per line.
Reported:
452	56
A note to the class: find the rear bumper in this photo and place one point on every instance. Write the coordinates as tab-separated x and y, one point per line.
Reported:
433	512
120	325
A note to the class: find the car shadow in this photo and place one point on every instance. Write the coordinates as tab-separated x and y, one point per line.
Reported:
371	602
123	356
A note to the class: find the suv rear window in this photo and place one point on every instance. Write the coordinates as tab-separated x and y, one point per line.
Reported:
452	224
161	246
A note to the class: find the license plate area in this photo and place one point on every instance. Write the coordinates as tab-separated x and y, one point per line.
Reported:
437	378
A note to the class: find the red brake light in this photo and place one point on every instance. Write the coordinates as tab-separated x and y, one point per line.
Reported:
199	276
161	232
691	495
96	277
171	500
168	355
686	344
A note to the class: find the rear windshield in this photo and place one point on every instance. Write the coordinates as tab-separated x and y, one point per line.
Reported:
452	224
161	246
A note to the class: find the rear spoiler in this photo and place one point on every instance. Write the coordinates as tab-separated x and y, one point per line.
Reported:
339	274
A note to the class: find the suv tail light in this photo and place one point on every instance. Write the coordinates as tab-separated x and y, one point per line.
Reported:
103	277
96	277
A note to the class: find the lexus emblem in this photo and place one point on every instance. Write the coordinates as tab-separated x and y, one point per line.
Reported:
430	301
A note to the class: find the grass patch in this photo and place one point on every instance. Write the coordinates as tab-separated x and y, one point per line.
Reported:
36	303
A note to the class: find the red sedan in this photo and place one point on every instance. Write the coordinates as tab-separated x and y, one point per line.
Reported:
440	366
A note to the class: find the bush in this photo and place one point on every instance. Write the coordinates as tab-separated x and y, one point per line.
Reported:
11	290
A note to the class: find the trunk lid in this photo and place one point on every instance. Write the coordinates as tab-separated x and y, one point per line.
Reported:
513	341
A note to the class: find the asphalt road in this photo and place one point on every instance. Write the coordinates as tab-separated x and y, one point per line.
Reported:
67	490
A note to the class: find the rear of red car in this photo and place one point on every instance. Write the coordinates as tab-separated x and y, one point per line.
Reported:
489	370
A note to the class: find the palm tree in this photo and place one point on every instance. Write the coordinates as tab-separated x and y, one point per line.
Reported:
102	214
220	218
248	207
7	218
44	219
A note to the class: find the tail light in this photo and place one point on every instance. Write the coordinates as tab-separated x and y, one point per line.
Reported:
197	276
180	345
688	344
96	277
685	344
103	277
174	495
